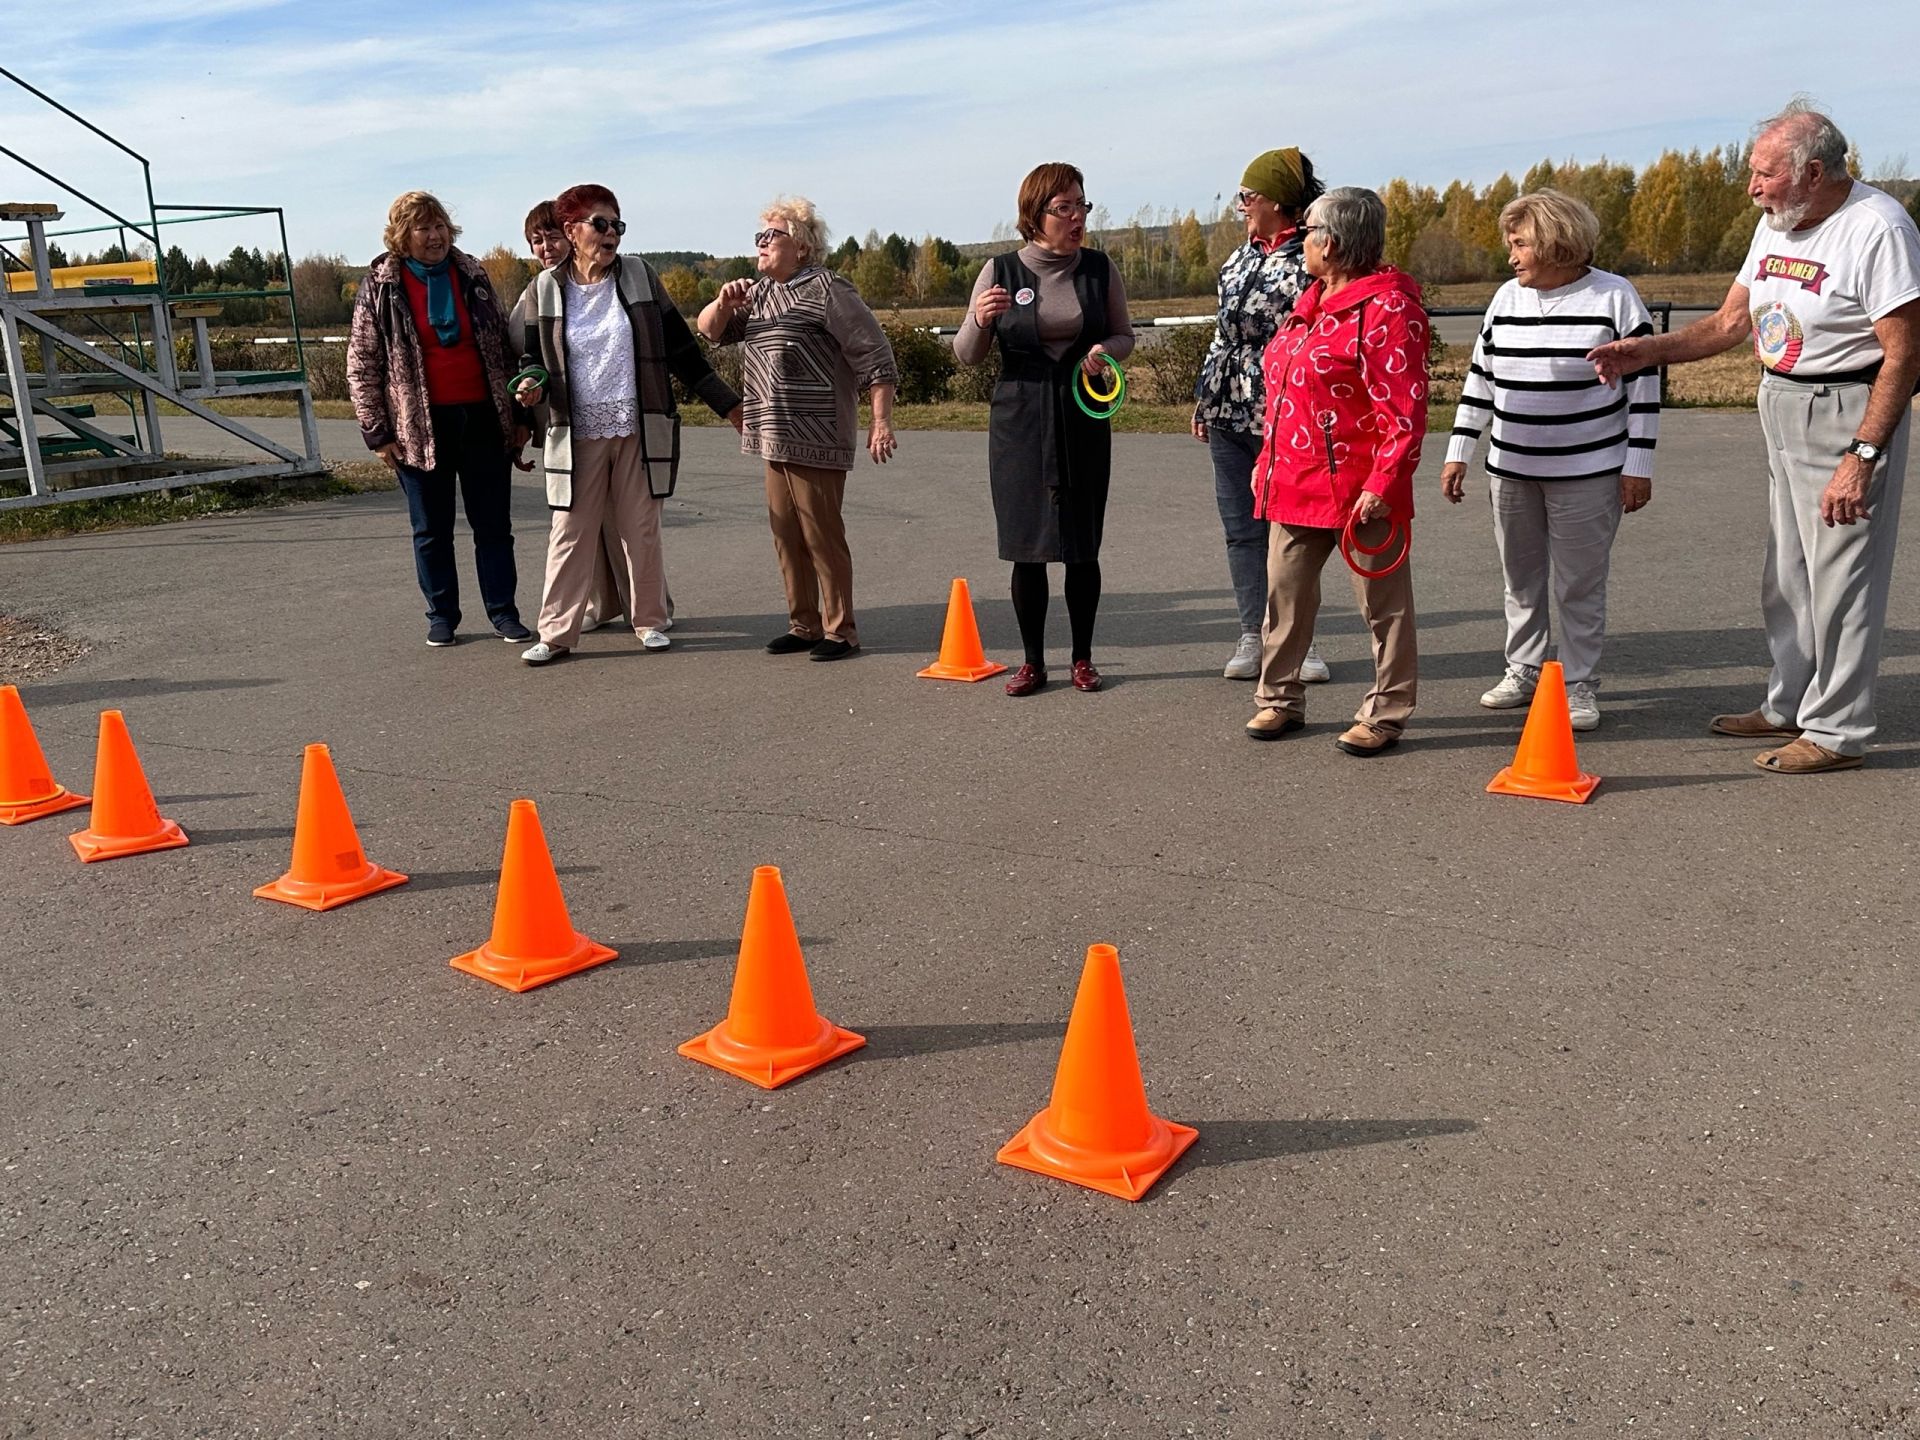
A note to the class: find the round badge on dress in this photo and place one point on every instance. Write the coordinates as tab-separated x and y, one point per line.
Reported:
1023	296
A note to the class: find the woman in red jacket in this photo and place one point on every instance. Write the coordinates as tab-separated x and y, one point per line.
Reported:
1346	384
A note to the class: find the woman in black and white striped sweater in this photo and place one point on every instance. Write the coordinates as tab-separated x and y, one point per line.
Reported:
1569	454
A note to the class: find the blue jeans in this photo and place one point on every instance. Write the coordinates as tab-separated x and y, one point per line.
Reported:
468	445
1234	454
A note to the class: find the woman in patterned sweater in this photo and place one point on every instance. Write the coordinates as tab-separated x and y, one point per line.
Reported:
1258	284
812	347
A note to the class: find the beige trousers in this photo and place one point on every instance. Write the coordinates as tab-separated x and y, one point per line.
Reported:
608	597
610	500
810	542
1295	556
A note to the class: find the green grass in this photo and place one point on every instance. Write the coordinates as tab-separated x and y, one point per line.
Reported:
157	507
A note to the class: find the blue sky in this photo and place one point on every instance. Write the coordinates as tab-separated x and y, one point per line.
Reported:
914	117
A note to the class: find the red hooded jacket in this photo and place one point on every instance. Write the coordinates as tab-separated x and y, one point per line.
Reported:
1346	403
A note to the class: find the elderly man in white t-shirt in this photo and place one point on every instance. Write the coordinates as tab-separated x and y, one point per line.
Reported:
1830	296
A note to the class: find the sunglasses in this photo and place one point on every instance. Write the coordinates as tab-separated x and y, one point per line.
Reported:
1247	197
767	237
602	225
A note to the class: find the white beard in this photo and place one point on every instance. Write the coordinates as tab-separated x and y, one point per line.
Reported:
1789	218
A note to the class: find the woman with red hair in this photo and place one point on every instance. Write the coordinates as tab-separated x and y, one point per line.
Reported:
611	342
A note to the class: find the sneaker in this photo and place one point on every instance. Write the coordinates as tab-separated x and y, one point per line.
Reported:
652	639
1583	707
1245	664
1514	690
591	622
440	634
514	633
543	653
1313	670
1271	724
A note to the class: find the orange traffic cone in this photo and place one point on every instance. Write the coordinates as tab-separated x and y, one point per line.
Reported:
1098	1131
772	1033
329	868
27	789
1545	766
125	820
533	939
961	657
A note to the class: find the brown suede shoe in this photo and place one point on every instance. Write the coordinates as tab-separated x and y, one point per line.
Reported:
1363	740
1271	724
1753	725
1804	757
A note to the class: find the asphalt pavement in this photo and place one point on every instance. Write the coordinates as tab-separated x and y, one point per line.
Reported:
1514	1116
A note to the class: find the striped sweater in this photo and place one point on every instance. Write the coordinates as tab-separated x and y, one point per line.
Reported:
1552	417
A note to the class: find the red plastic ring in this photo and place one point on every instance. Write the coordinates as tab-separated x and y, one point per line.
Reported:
1350	544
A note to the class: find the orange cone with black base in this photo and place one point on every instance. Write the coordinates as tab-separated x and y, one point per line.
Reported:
1545	766
329	868
772	1033
533	938
125	820
27	788
1098	1131
961	657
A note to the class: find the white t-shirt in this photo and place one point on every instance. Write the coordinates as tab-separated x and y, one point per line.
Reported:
1815	293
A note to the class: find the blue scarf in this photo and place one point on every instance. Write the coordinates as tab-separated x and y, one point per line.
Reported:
440	312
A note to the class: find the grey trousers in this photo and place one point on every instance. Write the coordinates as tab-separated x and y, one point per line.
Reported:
1558	533
1295	556
1824	588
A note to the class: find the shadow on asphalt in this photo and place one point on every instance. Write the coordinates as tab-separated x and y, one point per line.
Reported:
455	879
239	836
1232	1142
205	799
666	952
76	692
897	1042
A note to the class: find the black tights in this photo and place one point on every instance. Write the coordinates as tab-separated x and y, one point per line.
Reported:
1030	607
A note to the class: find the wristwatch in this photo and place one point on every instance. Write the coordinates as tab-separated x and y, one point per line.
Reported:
1864	450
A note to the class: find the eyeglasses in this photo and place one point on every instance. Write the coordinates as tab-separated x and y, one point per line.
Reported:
1070	210
1309	229
767	237
602	225
1247	197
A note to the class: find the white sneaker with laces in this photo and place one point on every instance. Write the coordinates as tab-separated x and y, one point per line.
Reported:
1514	690
1313	670
652	639
1583	707
1245	664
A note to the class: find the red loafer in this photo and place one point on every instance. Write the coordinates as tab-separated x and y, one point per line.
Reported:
1026	680
1085	677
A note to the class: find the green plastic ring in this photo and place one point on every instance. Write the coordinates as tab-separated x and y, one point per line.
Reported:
533	373
1117	398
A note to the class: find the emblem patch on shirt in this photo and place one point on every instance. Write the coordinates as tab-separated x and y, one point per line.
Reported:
1776	337
1023	296
1810	275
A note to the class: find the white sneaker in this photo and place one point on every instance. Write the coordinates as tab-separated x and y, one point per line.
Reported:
1313	670
542	654
1514	690
652	639
1583	707
1245	664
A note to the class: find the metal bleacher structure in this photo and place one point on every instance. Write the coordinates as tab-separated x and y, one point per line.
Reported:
81	345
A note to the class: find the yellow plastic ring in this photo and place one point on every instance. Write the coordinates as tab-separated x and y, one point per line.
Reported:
1096	396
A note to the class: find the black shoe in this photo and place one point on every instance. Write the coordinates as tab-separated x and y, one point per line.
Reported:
831	649
440	634
789	644
513	632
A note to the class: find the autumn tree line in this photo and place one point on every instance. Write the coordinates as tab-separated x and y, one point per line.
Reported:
1687	212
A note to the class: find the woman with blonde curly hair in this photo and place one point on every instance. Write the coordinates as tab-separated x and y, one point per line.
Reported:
812	347
427	367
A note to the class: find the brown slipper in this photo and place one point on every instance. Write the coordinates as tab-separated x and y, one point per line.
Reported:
1803	757
1753	725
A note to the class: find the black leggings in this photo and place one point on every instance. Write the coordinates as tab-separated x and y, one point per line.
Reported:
1030	607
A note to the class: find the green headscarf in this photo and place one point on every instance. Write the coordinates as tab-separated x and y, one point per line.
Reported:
1278	176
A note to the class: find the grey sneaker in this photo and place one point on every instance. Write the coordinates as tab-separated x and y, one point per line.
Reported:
1583	707
1245	664
1313	670
1514	690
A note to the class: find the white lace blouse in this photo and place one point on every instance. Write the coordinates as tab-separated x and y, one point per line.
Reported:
605	391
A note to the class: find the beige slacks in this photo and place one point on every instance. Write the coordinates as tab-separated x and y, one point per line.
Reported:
810	542
1296	554
612	510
